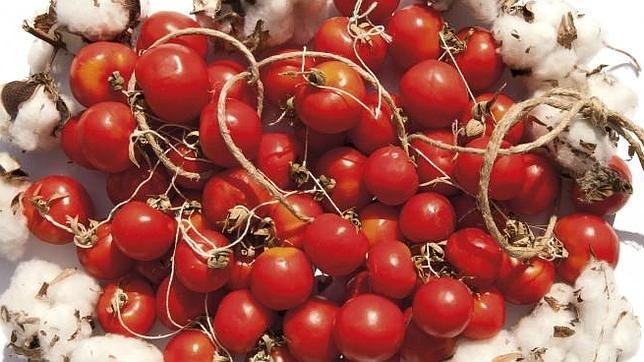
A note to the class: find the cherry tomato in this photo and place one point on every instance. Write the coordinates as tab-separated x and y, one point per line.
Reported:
525	282
71	146
441	160
190	345
308	330
585	236
100	71
392	272
281	354
540	188
104	136
469	216
415	32
155	271
371	132
135	299
488	316
240	273
60	198
475	254
369	328
380	223
196	272
345	166
381	12
240	321
219	72
175	82
390	176
334	244
277	151
326	110
288	228
480	62
191	160
491	108
141	232
442	307
419	346
182	305
163	23
121	186
614	202
357	285
427	217
104	260
282	78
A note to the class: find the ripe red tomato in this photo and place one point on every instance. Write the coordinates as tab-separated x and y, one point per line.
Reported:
415	32
155	271
525	282
441	159
380	223
443	307
469	216
163	23
613	203
317	143
345	165
104	136
475	254
191	160
281	78
498	107
381	12
182	305
71	146
240	321
175	82
59	197
219	72
357	285
480	63
281	353
507	177
308	330
192	345
372	133
540	188
136	308
488	316
121	186
419	346
326	110
392	272
427	217
335	245
193	270
369	328
288	228
100	71
585	236
135	222
240	273
104	260
277	151
390	176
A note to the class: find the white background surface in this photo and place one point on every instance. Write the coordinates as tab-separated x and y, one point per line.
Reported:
622	19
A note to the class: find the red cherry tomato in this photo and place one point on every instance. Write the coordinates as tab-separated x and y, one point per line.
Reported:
345	166
381	12
281	78
390	176
308	330
488	316
415	32
525	282
240	273
371	132
190	345
141	232
392	272
369	328
277	151
334	245
191	160
175	82
163	23
443	307
104	260
121	186
427	217
585	236
60	198
475	254
441	160
155	271
181	305
494	107
288	228
240	321
380	223
359	284
71	146
613	203
326	110
419	346
318	143
540	188
480	63
135	299
100	71
469	216
219	72
193	270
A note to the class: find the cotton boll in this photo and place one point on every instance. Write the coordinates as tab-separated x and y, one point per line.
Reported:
112	347
616	95
485	11
468	350
39	55
550	11
308	16
26	281
62	327
523	45
15	233
78	290
93	19
590	37
277	16
627	334
555	66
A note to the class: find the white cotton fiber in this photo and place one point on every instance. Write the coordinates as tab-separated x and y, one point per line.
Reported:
115	348
277	16
485	11
590	37
15	233
93	19
555	66
550	11
468	350
523	45
616	95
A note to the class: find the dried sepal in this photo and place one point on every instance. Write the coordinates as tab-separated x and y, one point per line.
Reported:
600	183
562	331
567	32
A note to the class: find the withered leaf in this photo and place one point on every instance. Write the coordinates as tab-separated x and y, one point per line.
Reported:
15	93
563	331
567	32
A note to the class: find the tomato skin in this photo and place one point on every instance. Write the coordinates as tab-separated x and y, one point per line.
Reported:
279	85
163	23
390	176
419	346
155	271
469	216
240	321
190	160
104	136
357	285
540	188
120	186
380	13
137	312
443	159
369	328
334	245
240	274
319	143
184	305
219	72
427	217
372	133
104	260
585	236
190	345
325	110
90	72
288	228
498	108
380	223
480	63
614	202
345	165
443	307
392	272
76	203
415	32
475	254
71	146
282	354
309	331
175	82
488	316
193	270
525	283
136	222
276	153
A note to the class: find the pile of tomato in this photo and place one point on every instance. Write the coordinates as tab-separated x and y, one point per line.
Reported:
406	272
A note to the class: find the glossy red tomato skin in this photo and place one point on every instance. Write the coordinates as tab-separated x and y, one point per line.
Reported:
282	354
475	254
219	72
184	305
380	223
442	159
76	203
104	136
155	271
433	94
104	260
240	273
419	346
427	217
469	216
240	321
614	202
480	63
136	222
372	133
318	143
585	236
415	32
192	270
121	186
498	108
138	312
390	176
281	79
163	23
71	146
358	284
334	245
525	283
191	160
308	330
369	328
392	272
488	316
276	153
345	165
380	13
175	82
90	72
190	345
443	307
540	188
325	110
288	228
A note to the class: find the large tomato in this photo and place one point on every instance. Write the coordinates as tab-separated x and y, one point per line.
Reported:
308	330
488	316
442	161
104	260
277	152
491	108
289	230
192	345
475	254
240	273
540	188
196	272
375	128
345	166
282	78
135	299
122	186
177	304
71	146
525	282
419	346
390	176
614	202
392	272
380	223
415	32
443	307
381	12
480	62
427	217
163	23
220	71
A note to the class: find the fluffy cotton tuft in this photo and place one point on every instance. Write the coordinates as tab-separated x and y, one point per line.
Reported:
93	19
523	44
277	16
590	37
550	11
15	233
613	93
468	350
558	65
112	347
485	11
